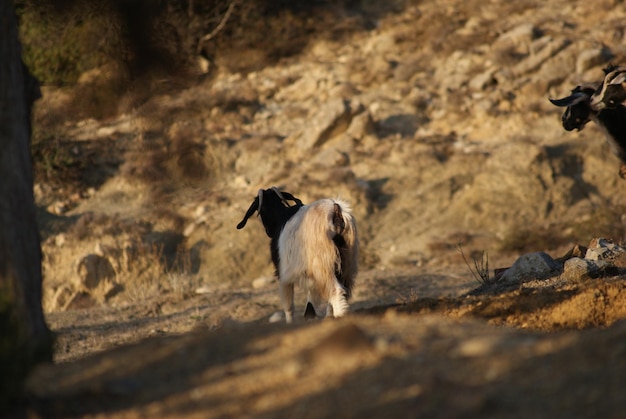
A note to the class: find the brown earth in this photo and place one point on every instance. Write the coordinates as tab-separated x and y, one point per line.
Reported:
434	123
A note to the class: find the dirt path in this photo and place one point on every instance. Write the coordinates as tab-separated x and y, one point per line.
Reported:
425	349
84	332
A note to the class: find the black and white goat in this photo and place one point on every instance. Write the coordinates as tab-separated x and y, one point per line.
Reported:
315	245
611	120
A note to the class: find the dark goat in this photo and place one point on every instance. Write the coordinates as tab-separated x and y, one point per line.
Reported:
612	121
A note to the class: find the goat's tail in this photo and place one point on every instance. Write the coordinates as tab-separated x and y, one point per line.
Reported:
346	241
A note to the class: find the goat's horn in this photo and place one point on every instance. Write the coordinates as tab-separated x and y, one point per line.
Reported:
620	78
569	100
280	195
290	197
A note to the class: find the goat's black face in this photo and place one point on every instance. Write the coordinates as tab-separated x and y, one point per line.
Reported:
575	117
578	109
273	209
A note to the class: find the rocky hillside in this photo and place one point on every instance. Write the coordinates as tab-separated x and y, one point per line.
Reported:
433	121
434	124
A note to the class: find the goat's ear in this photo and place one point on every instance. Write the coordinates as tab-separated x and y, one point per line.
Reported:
620	78
253	207
569	100
290	197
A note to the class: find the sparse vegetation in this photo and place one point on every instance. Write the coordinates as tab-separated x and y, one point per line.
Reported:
147	272
412	297
480	271
52	157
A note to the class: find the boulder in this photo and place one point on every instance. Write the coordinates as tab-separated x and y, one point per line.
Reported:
91	270
578	270
531	266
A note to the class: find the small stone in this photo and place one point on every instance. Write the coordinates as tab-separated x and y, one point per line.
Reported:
277	317
361	125
482	81
600	253
262	282
204	290
188	231
59	240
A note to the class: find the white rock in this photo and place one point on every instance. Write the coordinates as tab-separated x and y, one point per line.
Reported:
189	229
277	317
262	282
59	240
600	253
531	266
204	290
603	249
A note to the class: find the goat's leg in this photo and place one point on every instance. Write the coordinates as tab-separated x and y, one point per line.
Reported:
338	302
286	298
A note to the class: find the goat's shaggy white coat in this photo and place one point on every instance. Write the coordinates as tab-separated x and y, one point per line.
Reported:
310	257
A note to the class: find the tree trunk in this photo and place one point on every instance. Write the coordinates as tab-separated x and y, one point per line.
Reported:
24	335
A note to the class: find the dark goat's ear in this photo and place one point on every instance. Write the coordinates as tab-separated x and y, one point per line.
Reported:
569	100
619	79
253	207
290	197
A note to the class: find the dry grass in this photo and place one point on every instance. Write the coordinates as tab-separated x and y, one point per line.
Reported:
149	273
480	271
411	298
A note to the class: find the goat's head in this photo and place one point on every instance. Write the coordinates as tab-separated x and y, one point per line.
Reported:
612	91
578	108
273	207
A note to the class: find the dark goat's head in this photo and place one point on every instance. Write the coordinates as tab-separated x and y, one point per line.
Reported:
273	208
612	92
578	107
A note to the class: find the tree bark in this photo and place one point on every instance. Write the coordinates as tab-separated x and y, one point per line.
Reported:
24	335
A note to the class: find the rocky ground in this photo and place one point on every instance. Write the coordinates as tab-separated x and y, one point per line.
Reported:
432	120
